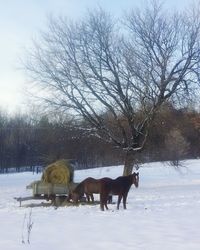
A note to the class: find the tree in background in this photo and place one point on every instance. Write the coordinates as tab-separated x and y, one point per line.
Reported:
28	141
98	67
176	147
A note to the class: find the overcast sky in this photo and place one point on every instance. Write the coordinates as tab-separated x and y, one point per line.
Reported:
20	21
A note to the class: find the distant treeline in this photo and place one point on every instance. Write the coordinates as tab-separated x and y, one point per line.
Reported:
28	142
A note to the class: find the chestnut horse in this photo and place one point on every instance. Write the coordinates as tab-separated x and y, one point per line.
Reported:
120	186
89	186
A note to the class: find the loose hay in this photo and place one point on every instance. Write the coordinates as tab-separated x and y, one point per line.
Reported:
59	172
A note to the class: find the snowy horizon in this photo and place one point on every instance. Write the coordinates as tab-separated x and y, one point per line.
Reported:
163	213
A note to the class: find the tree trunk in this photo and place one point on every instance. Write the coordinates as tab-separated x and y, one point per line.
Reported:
129	163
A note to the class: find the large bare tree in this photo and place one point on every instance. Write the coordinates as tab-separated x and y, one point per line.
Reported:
117	74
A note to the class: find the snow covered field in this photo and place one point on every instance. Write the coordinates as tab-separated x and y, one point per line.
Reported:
162	214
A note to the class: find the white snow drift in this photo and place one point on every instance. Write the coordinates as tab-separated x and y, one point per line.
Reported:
163	213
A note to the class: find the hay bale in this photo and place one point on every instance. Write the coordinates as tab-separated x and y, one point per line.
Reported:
59	172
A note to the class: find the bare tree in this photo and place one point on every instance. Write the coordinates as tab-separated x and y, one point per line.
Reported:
176	146
116	75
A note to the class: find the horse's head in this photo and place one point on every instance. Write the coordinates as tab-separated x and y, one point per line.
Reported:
135	179
75	197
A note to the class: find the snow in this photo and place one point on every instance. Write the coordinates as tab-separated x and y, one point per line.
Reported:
163	213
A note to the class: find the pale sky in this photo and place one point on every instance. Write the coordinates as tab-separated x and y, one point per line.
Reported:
21	20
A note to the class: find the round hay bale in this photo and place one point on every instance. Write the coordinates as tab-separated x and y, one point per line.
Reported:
59	172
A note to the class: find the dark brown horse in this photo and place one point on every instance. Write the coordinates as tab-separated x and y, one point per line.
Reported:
119	186
89	186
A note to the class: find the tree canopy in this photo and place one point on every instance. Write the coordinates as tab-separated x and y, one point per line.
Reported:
121	71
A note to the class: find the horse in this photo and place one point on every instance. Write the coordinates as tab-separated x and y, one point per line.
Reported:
89	186
119	186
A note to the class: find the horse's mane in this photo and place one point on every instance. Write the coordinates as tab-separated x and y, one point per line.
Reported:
127	178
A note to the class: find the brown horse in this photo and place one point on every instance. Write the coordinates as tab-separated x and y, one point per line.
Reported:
120	186
89	186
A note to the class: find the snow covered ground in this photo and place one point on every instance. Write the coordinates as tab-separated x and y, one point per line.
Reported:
163	213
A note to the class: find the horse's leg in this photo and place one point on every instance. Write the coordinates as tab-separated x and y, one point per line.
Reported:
101	202
105	201
124	200
109	199
88	197
119	200
92	197
106	205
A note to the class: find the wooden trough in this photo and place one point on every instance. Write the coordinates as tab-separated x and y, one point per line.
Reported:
55	185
